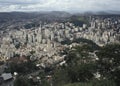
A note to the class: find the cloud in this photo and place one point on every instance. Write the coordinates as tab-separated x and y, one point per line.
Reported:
59	5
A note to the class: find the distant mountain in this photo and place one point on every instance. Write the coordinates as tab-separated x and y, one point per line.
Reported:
28	15
17	19
114	12
107	13
10	20
88	13
60	13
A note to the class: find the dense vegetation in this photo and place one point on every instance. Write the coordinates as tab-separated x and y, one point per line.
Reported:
81	40
81	66
79	20
21	68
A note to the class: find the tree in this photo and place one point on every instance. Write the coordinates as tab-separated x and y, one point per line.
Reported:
22	81
80	66
94	83
60	77
109	62
79	55
81	73
17	46
21	68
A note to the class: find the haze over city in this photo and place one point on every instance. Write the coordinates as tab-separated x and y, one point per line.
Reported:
59	5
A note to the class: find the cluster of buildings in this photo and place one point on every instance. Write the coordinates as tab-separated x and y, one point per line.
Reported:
44	42
104	30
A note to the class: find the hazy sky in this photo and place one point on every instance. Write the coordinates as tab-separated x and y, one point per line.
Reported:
59	5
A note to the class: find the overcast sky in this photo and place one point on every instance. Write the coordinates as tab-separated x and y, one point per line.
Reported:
59	5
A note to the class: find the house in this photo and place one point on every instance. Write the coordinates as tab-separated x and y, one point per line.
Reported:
6	76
